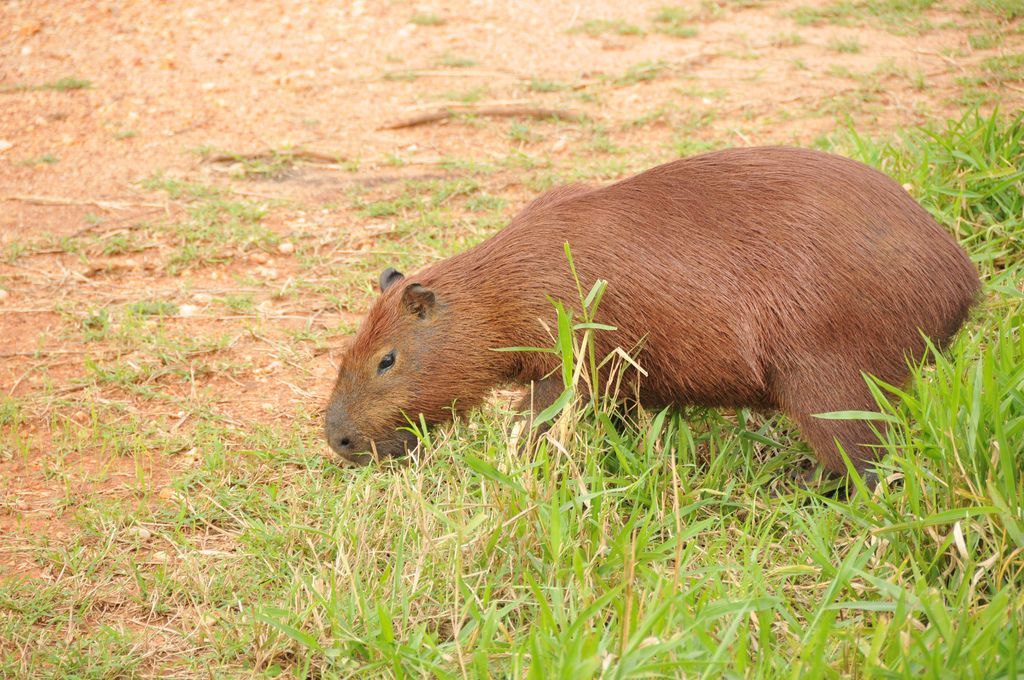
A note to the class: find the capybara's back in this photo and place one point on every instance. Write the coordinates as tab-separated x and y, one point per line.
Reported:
771	277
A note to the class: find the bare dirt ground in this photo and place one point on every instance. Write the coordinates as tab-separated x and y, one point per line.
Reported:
97	215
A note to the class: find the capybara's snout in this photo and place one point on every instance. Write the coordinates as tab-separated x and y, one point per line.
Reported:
355	447
342	437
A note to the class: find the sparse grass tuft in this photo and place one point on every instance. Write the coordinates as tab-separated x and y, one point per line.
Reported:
985	41
596	27
538	85
271	165
402	75
217	228
787	39
1006	69
995	73
638	73
152	308
674	21
426	20
44	159
1007	9
902	17
67	84
469	96
521	132
848	46
454	61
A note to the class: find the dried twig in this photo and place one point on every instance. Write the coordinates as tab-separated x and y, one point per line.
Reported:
192	126
462	73
948	60
58	200
272	155
479	104
497	112
44	353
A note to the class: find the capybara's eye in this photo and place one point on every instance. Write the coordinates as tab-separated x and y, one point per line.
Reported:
387	362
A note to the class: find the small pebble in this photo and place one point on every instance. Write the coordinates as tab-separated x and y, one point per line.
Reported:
161	556
142	533
286	248
188	310
259	258
267	272
4	294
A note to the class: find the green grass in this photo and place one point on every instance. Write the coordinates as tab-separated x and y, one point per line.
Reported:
540	85
67	84
44	159
454	61
987	40
217	227
659	115
521	132
675	21
1007	9
902	17
270	165
638	73
643	544
1005	69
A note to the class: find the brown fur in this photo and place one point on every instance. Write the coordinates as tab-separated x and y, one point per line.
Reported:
767	277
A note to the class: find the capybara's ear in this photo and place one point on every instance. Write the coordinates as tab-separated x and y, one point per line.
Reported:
418	300
388	278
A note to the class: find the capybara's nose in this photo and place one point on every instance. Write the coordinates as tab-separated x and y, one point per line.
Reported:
349	447
340	440
339	434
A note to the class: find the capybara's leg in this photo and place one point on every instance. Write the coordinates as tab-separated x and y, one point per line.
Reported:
540	395
813	389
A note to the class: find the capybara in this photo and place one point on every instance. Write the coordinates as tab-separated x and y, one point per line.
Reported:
771	277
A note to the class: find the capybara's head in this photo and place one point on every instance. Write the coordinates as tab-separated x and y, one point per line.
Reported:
390	374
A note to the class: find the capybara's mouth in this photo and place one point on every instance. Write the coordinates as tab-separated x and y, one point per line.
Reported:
384	450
